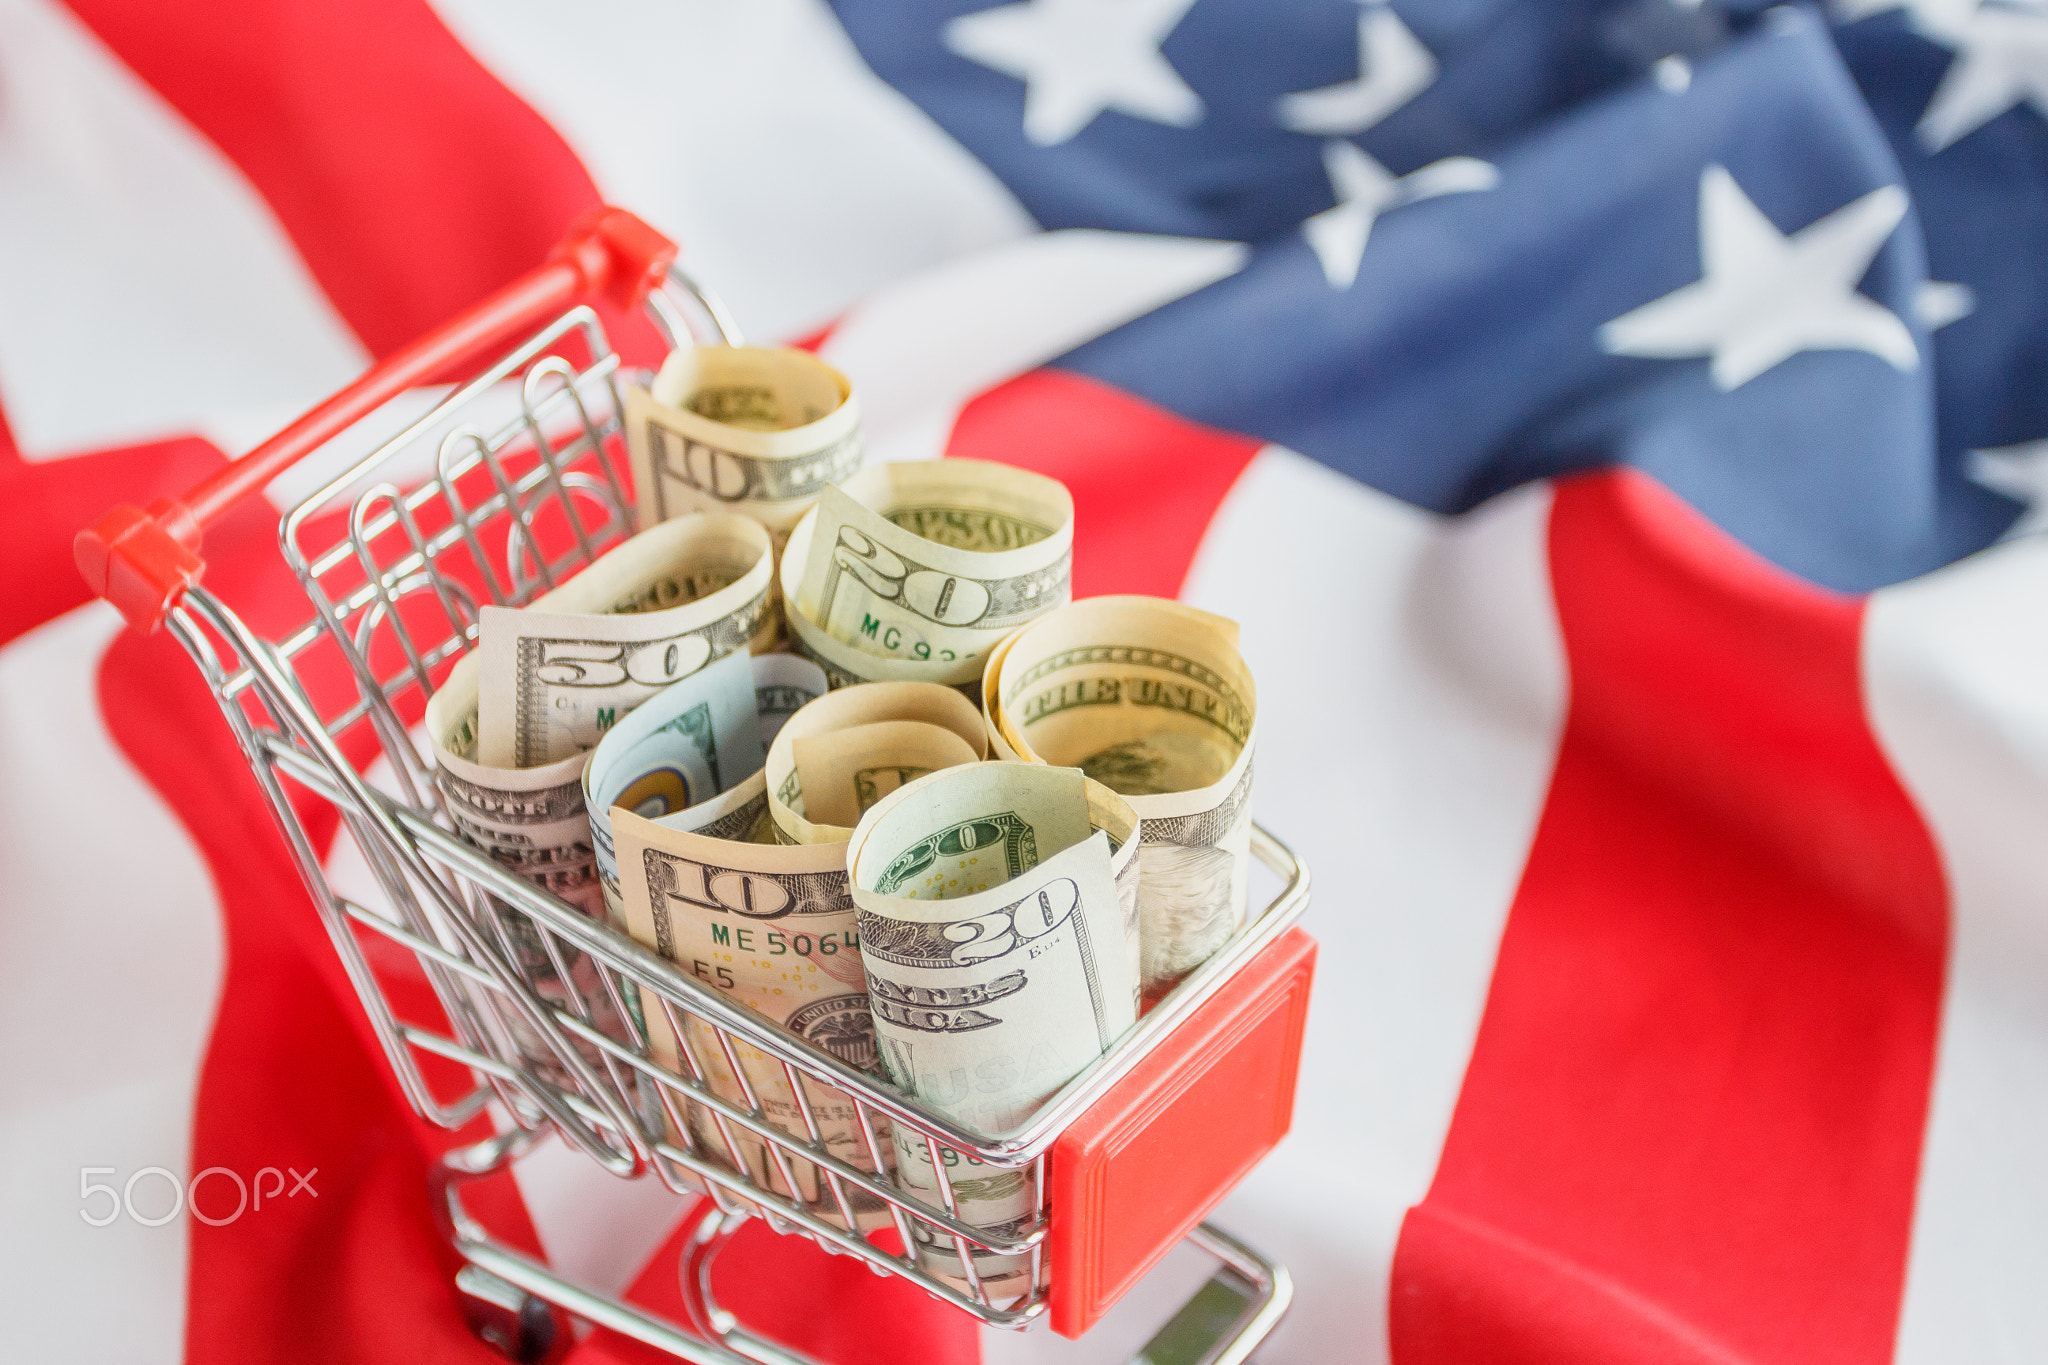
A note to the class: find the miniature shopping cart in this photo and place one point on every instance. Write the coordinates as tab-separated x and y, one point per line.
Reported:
493	489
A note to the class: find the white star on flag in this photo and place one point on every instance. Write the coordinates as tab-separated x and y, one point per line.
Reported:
1937	303
1365	189
2021	473
1078	58
1764	297
1393	68
1673	74
2001	60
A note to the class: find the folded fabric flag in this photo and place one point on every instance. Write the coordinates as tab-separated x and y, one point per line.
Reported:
1601	414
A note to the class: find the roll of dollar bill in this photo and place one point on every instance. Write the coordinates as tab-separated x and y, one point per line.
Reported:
533	821
846	751
770	925
556	675
693	755
1152	699
768	922
742	429
912	572
996	906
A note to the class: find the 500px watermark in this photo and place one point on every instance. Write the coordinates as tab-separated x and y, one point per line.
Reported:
267	1184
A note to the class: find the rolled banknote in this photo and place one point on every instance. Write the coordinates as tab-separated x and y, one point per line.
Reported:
532	821
843	664
741	429
693	752
995	905
648	613
770	925
849	749
917	570
1152	699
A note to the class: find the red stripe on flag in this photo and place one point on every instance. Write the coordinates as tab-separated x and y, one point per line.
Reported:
354	1270
812	341
48	503
1690	1129
411	180
1145	482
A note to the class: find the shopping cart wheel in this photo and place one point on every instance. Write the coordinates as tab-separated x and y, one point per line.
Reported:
522	1328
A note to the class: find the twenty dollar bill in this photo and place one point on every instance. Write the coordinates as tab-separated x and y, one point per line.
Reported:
1002	960
917	570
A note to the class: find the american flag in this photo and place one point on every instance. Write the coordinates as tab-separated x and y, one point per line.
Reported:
1617	424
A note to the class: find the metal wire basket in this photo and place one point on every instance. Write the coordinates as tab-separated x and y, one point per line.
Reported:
504	486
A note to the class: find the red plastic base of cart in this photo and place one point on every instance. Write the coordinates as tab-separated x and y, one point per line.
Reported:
1149	1160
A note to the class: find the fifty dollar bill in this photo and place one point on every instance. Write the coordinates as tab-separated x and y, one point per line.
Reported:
558	674
534	822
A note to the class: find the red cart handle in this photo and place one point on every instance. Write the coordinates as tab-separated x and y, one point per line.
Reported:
143	561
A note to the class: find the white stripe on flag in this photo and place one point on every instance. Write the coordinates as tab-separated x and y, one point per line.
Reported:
1412	687
922	348
795	178
596	1229
112	951
135	249
1956	669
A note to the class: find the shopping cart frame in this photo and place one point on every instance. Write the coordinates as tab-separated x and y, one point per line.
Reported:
472	924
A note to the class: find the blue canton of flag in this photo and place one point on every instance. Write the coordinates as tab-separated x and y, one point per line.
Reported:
1792	271
1961	90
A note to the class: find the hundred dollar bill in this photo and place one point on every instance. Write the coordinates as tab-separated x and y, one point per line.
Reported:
687	755
533	821
689	744
772	926
852	747
921	568
996	918
1152	699
741	429
650	612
